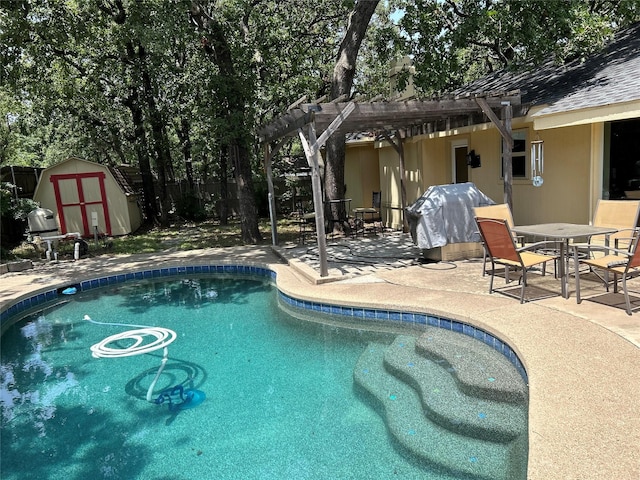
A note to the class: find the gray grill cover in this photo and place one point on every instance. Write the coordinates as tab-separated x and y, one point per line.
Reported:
444	214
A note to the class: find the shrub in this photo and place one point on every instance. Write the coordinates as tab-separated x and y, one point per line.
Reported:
190	208
13	213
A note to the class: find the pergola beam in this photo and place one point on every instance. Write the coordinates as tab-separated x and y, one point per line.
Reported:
382	115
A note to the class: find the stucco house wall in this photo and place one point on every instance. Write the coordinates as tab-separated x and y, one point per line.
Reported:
362	174
567	172
390	179
572	108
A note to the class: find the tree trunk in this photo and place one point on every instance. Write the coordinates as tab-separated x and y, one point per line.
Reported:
160	141
342	82
224	187
234	98
139	140
238	153
183	132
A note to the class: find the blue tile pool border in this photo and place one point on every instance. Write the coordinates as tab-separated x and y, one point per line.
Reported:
358	313
411	318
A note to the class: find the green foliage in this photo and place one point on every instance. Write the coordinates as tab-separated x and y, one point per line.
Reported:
13	216
191	207
382	45
455	41
69	76
14	208
69	69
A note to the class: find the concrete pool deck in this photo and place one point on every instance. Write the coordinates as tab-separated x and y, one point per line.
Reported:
582	360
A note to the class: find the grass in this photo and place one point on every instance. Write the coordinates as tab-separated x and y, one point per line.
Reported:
179	236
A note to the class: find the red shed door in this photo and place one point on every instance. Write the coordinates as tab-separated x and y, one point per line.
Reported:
77	197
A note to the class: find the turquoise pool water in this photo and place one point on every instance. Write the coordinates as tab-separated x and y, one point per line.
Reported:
280	396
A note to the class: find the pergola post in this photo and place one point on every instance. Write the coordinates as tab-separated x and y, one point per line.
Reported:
504	127
318	203
268	159
507	156
272	201
403	181
312	152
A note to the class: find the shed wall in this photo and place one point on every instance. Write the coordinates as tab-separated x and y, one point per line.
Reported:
120	215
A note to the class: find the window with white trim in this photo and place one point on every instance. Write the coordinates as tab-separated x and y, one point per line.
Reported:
518	154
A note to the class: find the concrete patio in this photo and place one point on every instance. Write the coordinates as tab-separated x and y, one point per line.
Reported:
582	360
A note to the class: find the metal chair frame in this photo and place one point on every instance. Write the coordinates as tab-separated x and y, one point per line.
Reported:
500	211
501	249
623	263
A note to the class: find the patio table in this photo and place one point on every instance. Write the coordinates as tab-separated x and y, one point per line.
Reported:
563	232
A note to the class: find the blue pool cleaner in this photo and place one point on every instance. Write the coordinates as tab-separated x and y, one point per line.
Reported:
180	398
69	291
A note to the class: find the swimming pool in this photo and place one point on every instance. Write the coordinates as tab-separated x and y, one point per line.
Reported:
281	400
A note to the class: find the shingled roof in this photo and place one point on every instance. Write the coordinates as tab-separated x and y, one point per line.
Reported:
606	78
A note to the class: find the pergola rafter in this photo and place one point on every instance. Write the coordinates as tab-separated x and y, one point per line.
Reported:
384	115
315	122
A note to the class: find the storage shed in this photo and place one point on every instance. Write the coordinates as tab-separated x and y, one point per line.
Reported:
84	195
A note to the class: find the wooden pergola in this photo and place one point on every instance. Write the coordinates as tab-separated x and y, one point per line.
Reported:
313	123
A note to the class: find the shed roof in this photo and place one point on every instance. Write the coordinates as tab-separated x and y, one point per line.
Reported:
122	174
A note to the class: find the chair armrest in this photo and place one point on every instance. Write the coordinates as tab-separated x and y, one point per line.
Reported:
518	238
633	233
538	245
603	248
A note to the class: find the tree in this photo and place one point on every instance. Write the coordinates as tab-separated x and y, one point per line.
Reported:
455	41
124	81
234	96
341	84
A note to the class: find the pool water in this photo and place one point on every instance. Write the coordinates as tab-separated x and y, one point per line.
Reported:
280	396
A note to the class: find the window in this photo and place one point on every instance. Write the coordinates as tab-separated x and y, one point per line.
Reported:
519	154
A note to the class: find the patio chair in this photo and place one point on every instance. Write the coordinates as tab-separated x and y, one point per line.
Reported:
370	215
622	215
376	204
499	211
623	263
305	217
501	249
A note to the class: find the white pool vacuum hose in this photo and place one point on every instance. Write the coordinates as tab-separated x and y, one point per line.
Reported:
162	338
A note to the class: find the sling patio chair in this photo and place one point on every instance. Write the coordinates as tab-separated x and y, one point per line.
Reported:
366	218
501	249
623	215
500	211
621	263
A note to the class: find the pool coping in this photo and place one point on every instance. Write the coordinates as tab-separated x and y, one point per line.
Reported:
573	378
